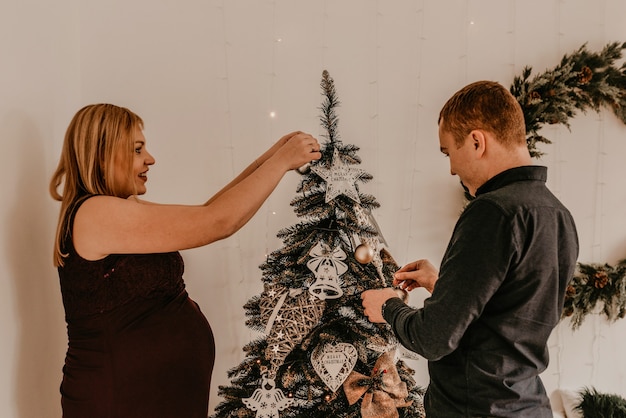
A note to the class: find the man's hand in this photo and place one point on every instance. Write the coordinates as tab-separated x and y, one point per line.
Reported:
420	273
373	300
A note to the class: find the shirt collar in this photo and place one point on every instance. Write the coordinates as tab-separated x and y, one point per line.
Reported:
512	175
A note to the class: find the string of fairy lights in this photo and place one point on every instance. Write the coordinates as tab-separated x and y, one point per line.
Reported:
556	188
597	252
410	197
225	77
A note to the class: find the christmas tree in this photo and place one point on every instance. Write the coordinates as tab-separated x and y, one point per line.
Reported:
319	355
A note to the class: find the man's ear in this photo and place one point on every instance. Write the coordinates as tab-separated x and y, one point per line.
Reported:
479	141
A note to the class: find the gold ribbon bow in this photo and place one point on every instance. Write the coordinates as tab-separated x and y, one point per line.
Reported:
383	393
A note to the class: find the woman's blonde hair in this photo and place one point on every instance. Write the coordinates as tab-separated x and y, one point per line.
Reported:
96	136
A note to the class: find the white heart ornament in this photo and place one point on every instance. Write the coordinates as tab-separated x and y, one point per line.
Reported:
333	363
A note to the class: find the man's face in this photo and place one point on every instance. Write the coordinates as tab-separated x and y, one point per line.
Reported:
462	159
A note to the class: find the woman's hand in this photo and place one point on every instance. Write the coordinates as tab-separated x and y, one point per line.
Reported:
301	139
297	149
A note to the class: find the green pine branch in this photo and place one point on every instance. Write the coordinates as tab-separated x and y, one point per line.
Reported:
594	404
328	118
583	80
334	223
596	286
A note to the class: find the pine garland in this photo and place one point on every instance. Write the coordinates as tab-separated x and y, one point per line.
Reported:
593	284
583	80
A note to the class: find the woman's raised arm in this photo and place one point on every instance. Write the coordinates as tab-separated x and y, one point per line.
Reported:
109	225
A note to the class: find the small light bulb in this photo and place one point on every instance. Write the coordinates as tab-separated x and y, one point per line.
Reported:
272	114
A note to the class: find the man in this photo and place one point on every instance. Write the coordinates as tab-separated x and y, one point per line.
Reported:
500	290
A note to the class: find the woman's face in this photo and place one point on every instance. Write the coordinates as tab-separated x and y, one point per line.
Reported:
142	159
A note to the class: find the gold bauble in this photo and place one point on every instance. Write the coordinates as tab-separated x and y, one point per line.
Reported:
364	254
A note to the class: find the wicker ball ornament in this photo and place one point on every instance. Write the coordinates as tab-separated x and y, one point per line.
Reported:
364	254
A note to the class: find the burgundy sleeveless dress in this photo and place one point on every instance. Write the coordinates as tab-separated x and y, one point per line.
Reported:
138	345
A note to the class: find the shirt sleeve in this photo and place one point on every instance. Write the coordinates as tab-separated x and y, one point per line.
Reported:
482	247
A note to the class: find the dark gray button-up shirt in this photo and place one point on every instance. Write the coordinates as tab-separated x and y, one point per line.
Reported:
499	294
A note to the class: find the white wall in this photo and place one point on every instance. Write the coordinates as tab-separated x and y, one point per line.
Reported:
205	75
39	90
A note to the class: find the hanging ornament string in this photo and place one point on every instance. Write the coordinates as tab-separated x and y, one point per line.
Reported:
375	92
372	245
271	213
409	198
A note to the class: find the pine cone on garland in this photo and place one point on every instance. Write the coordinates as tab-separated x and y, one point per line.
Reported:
600	279
581	81
596	285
